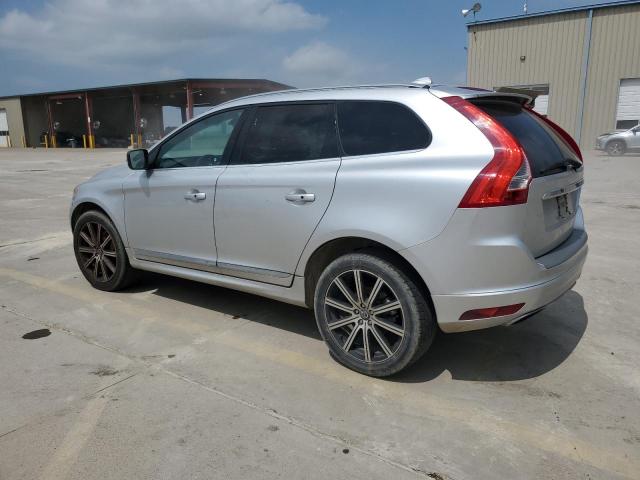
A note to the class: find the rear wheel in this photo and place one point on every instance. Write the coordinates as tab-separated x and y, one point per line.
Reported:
100	252
616	148
373	317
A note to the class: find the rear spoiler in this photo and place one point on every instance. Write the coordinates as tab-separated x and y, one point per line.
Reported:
522	97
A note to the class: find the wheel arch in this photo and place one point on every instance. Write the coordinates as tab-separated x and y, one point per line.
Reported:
332	249
87	206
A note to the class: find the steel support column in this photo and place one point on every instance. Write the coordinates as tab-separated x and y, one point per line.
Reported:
189	101
88	111
136	118
50	131
586	52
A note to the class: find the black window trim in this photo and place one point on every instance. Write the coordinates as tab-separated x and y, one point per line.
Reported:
237	140
228	149
344	154
236	156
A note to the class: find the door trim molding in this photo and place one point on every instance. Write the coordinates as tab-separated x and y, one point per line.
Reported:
250	273
177	260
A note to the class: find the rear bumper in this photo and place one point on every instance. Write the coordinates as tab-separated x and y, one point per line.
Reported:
449	308
477	262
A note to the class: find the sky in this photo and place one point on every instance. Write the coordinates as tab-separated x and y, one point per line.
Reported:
68	44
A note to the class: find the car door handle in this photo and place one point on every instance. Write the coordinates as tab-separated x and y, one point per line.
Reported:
195	196
300	196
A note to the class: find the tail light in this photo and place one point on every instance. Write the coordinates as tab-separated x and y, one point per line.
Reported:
491	312
505	180
562	133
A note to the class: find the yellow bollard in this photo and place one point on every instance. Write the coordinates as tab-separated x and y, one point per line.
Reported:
132	145
84	141
92	141
9	142
46	141
24	142
54	141
139	140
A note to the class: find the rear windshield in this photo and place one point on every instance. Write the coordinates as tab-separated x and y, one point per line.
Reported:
547	153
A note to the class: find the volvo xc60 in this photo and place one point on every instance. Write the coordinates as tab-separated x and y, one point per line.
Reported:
391	211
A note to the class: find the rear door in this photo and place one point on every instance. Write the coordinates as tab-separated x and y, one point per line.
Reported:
554	192
279	184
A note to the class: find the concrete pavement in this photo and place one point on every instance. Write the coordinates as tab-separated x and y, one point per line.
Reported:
174	379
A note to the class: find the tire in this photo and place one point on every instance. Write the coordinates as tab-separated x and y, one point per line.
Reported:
616	148
395	338
104	263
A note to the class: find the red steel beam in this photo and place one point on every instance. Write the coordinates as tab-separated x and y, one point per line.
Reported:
66	95
49	108
88	111
136	112
189	101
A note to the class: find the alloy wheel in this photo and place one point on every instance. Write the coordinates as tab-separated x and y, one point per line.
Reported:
364	316
97	252
615	149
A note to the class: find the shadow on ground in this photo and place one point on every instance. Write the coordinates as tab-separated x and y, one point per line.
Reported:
231	302
525	350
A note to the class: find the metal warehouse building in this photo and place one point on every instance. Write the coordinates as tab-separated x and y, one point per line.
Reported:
583	62
118	116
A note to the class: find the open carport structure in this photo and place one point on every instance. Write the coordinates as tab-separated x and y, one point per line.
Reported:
117	116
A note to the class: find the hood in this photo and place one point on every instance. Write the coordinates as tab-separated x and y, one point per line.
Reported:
117	171
612	133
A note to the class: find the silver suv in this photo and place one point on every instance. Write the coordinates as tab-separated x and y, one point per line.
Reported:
619	142
391	211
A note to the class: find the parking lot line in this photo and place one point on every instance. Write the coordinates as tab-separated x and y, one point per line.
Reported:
551	441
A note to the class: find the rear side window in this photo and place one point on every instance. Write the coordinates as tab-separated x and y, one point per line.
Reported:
369	127
546	152
290	133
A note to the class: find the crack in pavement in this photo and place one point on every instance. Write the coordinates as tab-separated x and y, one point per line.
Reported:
23	242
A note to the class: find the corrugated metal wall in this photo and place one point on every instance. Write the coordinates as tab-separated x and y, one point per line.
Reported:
553	46
615	54
14	117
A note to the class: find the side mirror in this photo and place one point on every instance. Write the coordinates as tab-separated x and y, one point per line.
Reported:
138	159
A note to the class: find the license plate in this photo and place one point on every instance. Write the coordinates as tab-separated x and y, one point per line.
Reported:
564	206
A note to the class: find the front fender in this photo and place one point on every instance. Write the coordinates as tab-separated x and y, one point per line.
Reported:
109	198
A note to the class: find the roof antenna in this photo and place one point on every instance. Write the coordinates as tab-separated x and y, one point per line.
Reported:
424	82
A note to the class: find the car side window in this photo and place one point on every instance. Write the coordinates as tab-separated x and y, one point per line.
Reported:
370	127
201	144
290	133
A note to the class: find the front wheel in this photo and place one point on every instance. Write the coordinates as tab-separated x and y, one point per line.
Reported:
372	316
100	252
616	148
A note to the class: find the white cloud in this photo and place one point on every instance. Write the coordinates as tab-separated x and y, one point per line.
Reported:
77	32
320	63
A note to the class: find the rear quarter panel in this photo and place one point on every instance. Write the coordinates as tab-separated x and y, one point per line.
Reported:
402	199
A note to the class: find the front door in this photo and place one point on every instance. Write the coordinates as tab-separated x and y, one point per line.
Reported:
634	138
169	208
272	196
